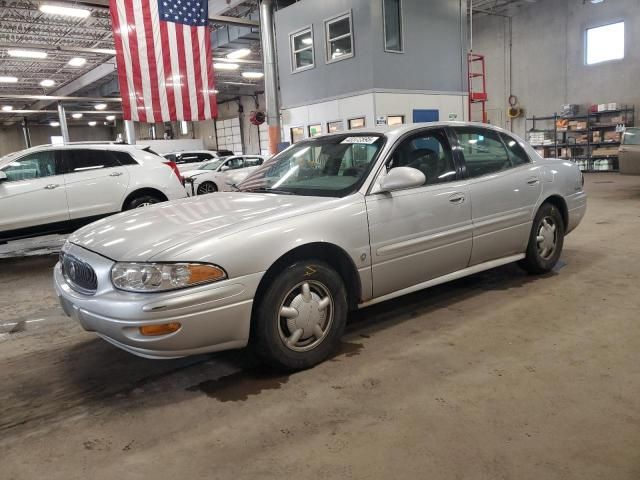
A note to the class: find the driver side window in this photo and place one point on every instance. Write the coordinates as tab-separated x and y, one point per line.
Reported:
35	165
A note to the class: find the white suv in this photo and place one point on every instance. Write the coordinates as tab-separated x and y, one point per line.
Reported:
51	189
194	159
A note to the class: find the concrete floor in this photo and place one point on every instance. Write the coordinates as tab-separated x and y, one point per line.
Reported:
497	376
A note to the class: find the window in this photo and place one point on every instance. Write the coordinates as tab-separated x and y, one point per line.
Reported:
302	50
339	38
631	136
517	155
315	130
333	127
392	10
79	160
395	120
605	43
124	158
297	134
428	152
35	165
483	151
252	161
182	158
356	123
234	163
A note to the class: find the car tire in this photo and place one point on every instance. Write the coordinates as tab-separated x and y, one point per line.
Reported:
141	201
206	187
545	240
299	320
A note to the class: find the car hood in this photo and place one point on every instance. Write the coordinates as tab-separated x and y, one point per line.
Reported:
144	233
194	173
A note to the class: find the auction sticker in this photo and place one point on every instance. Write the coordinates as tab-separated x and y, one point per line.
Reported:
360	140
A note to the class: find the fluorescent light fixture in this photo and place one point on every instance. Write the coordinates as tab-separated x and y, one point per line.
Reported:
47	83
226	66
8	79
76	115
27	53
65	11
92	123
106	51
100	106
77	62
7	108
111	118
54	124
241	53
252	75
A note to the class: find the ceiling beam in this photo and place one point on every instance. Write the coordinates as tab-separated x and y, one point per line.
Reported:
49	99
69	112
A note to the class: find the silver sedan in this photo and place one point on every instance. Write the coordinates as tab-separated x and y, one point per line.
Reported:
332	224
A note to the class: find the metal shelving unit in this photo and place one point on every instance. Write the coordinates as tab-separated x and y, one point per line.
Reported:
584	153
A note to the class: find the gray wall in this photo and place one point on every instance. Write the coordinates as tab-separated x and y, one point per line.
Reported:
548	66
432	58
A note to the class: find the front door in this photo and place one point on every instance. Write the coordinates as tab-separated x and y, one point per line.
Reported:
420	233
505	187
34	192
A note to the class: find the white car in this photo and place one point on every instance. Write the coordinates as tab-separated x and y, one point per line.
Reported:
56	189
194	159
218	175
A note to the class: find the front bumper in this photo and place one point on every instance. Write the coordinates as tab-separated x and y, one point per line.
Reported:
213	317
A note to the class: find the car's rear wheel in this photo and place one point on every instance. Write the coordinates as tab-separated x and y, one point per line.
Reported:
142	201
207	187
545	241
301	317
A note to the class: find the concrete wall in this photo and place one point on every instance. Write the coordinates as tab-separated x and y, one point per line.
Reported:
548	67
11	139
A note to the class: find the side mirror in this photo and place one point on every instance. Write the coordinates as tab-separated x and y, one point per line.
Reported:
3	176
224	168
400	178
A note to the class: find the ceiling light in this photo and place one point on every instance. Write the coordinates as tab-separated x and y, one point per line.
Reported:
92	124
106	51
7	108
226	66
243	52
252	74
47	83
76	115
111	118
100	106
77	61
54	124
65	11
8	79
27	53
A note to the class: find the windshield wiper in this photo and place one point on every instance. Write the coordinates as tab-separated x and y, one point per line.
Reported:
267	190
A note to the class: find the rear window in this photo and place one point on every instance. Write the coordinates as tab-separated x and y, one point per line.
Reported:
78	160
631	136
124	158
225	153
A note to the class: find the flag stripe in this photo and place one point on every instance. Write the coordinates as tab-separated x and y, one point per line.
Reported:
189	67
213	105
124	36
182	67
151	59
197	75
168	72
176	81
204	76
159	57
122	71
143	51
136	73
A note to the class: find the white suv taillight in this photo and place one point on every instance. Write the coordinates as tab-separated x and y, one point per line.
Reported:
174	167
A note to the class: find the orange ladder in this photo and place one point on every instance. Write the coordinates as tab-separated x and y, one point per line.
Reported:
477	72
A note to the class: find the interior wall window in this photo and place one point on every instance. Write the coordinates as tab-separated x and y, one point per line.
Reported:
302	57
392	10
315	130
605	43
297	134
483	150
333	127
338	32
35	165
355	123
395	120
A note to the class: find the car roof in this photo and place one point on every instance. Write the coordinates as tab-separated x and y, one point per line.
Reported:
95	145
190	151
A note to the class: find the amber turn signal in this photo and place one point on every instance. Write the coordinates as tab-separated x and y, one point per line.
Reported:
160	329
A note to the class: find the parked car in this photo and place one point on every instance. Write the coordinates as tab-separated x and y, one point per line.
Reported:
218	175
629	154
56	189
194	159
331	224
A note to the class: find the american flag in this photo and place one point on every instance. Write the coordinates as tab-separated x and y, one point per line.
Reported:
163	55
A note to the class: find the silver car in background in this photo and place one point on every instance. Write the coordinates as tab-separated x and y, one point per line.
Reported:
332	224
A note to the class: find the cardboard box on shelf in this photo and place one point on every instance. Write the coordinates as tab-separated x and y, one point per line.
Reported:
611	136
605	152
602	107
596	137
613	106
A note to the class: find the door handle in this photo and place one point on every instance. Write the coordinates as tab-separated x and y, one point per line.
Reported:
456	198
533	181
51	186
115	174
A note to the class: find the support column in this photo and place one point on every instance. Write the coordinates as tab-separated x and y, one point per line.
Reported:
25	133
63	123
130	132
270	74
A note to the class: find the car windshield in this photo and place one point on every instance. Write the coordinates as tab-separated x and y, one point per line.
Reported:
331	166
211	165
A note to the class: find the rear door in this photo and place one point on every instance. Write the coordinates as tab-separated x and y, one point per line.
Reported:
96	182
34	192
504	187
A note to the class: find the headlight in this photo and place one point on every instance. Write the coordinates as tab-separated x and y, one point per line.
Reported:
158	277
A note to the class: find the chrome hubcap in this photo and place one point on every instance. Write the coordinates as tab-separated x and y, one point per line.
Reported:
305	316
546	238
206	188
145	204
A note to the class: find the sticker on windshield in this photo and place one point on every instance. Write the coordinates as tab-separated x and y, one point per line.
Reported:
361	140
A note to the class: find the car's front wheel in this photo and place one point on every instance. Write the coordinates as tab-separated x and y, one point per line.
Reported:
301	317
142	201
207	187
545	241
